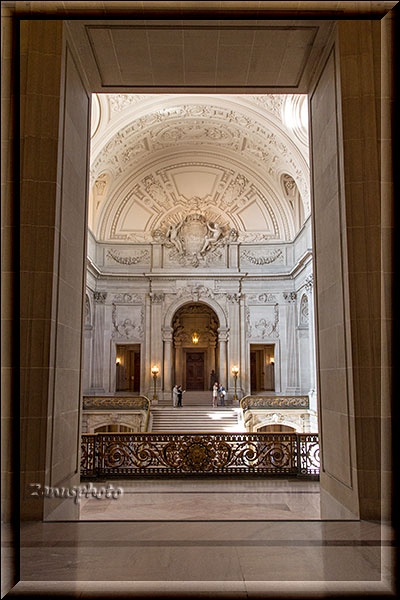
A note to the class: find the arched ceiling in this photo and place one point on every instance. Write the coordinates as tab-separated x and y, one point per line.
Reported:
156	158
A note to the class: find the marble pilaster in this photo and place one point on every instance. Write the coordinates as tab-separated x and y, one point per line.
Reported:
222	343
292	382
98	341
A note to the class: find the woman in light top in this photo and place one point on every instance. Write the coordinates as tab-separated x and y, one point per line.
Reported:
215	394
175	396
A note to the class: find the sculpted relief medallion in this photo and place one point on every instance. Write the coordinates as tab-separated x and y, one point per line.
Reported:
195	240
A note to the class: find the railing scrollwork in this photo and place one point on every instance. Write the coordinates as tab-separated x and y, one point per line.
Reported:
130	454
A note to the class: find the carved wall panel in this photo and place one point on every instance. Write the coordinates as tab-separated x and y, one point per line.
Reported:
263	322
131	256
128	322
256	256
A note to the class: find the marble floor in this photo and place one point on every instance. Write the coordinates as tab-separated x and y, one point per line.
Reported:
207	500
206	539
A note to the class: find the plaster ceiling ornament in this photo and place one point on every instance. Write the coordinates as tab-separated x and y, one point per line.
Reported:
119	102
195	240
246	132
143	256
271	102
169	194
273	256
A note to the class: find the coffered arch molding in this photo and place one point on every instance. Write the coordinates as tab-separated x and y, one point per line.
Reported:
210	302
267	193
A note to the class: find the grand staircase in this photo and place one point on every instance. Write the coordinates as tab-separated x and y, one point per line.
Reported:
196	419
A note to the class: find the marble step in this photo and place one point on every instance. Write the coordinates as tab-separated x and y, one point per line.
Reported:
191	419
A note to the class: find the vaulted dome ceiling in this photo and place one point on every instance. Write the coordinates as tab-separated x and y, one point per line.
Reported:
240	160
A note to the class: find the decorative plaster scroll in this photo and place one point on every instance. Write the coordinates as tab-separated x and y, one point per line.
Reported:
143	256
304	312
250	237
195	292
262	298
275	255
126	298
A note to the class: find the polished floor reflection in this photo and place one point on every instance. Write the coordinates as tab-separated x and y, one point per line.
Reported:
209	559
205	538
207	500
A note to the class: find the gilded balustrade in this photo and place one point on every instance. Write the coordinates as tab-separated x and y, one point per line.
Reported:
274	402
119	403
130	454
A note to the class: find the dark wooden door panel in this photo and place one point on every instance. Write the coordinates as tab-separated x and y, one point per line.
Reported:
195	371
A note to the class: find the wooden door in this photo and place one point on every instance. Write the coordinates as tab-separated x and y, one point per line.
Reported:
195	371
253	371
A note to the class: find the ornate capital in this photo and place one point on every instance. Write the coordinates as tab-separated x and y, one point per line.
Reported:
290	296
99	297
168	333
157	298
223	334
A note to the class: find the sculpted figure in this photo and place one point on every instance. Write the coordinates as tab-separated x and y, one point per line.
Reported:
172	236
213	235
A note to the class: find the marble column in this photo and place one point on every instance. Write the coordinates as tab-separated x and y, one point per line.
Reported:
292	380
98	341
178	364
223	341
167	338
145	375
234	342
155	335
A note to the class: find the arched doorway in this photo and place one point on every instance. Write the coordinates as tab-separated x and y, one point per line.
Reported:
195	346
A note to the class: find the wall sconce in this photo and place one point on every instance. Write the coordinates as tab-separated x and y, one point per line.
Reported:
272	360
118	361
155	371
235	373
195	338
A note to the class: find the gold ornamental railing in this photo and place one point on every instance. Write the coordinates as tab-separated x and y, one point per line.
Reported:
274	402
118	403
141	454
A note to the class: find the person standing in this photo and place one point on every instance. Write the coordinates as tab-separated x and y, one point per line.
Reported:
175	396
215	395
180	395
222	394
213	379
